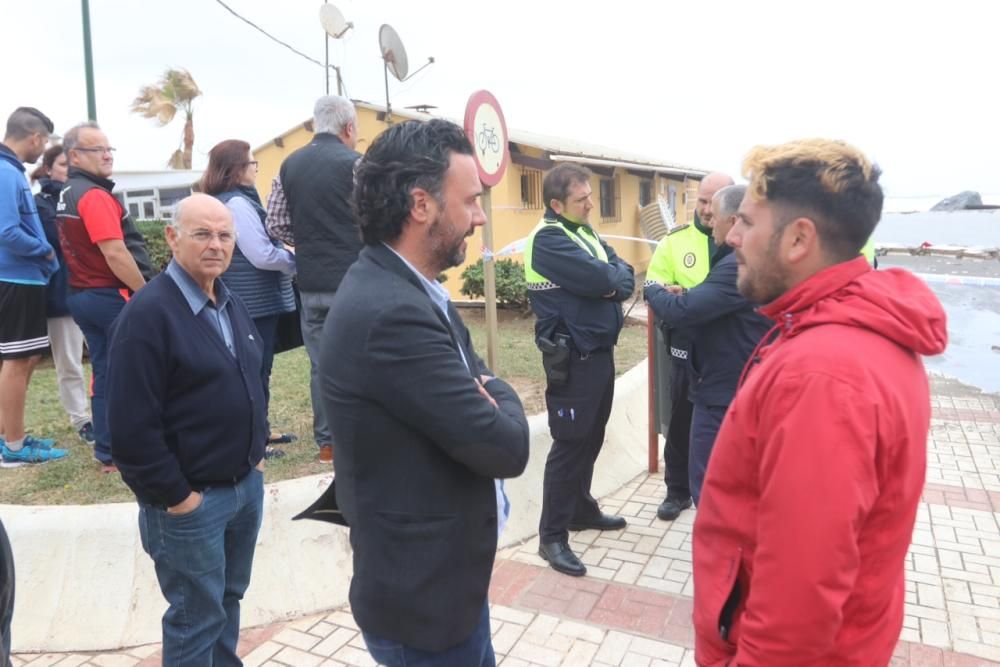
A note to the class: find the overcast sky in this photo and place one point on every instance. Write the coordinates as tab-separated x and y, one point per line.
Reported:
913	84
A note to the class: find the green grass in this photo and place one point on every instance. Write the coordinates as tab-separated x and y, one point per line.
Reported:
521	362
77	480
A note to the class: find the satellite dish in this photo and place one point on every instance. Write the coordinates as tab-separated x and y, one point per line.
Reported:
333	21
393	52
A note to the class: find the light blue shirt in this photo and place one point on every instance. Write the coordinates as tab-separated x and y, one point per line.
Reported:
215	314
253	241
440	297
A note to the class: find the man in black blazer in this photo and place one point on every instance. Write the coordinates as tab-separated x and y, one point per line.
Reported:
423	433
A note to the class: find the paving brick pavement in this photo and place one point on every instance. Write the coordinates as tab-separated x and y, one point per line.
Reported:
634	607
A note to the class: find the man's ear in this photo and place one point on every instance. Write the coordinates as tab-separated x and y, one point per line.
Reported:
556	206
801	239
424	207
170	232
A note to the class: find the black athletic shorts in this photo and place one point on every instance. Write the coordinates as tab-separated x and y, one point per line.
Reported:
24	328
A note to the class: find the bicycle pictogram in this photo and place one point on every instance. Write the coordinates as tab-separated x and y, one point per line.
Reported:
488	137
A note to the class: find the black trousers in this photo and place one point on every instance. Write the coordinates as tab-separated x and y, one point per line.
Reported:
675	450
578	414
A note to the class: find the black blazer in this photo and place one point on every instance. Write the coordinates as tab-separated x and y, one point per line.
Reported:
417	449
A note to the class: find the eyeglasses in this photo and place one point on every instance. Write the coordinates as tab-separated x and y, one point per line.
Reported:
205	236
97	149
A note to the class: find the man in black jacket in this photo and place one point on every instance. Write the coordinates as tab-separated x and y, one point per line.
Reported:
725	329
423	433
188	425
576	284
310	209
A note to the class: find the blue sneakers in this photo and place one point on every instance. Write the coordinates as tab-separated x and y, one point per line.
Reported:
34	450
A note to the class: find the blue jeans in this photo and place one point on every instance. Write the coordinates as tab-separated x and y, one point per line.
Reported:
706	420
476	651
203	561
94	310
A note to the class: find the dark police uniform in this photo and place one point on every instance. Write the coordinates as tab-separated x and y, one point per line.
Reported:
681	258
576	284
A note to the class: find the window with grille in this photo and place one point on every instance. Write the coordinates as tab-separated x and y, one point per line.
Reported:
531	189
610	200
645	192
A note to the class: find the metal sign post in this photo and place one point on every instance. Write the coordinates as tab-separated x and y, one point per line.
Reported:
490	285
487	131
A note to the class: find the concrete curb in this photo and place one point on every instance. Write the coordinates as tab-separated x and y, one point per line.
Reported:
85	584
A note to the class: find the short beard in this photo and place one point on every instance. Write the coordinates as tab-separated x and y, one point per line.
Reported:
770	282
443	256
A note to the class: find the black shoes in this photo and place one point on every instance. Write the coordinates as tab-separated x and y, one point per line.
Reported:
562	559
603	522
671	508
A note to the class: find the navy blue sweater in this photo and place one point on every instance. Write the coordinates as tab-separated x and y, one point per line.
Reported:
724	328
184	413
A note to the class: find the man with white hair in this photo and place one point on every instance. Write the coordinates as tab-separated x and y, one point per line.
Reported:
724	329
682	258
310	208
188	423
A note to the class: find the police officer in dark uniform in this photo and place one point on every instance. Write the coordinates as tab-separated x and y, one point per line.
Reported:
682	258
576	284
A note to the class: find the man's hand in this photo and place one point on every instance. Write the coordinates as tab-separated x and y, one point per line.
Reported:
675	289
188	505
483	379
121	263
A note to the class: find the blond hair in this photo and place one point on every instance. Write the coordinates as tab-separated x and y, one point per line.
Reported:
828	181
835	163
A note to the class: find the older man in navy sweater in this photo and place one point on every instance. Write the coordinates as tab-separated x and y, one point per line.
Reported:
725	329
188	424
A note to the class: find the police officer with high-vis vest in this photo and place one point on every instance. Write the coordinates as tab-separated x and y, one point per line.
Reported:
576	284
682	258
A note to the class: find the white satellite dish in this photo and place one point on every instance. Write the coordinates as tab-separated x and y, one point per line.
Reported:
395	61
393	52
333	21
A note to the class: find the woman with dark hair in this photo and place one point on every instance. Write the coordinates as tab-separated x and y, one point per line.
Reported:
65	337
261	270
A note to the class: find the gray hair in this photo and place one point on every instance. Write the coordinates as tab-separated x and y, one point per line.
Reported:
332	114
175	221
72	138
26	121
729	199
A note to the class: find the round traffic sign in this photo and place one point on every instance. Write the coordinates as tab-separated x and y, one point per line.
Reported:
487	131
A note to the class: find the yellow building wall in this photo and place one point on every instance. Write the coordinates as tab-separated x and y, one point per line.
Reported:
511	220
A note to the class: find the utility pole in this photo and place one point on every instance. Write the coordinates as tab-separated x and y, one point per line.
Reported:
88	60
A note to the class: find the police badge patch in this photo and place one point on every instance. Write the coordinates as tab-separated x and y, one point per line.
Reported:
689	260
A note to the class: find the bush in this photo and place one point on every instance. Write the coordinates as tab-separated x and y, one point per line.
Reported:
512	290
156	242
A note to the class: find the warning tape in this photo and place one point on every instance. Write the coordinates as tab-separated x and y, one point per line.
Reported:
952	279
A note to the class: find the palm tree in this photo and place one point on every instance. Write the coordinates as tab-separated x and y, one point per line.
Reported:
174	92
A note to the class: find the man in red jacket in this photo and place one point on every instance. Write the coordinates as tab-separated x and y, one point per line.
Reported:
812	490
